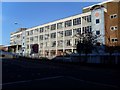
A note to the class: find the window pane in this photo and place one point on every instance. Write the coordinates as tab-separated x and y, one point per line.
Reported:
41	29
77	21
53	27
53	35
68	32
97	32
97	21
60	25
68	23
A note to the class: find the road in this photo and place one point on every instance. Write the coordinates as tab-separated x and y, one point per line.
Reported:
25	74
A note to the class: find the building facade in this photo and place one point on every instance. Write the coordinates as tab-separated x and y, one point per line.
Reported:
59	37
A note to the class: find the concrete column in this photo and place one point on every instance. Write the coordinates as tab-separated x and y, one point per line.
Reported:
56	41
63	38
17	49
72	37
49	44
81	26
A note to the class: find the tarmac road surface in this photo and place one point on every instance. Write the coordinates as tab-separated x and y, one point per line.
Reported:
33	75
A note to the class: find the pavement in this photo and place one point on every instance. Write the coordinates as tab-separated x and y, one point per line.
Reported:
25	74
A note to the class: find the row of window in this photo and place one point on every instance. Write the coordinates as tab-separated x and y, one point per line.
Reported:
114	40
67	43
59	43
68	23
87	29
60	33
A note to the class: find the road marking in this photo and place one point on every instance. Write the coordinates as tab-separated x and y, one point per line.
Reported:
91	82
46	78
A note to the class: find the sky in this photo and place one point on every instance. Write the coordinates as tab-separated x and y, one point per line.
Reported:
30	14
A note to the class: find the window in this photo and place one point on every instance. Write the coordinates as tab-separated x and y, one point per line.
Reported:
60	43
46	44
27	39
46	36
36	38
41	37
83	31
87	18
87	29
28	33
76	31
60	25
60	34
36	31
97	21
68	32
84	18
76	41
41	45
53	27
90	28
31	38
97	32
46	28
53	35
27	46
68	42
19	35
77	21
116	28
41	29
53	43
114	39
113	16
68	23
113	28
31	32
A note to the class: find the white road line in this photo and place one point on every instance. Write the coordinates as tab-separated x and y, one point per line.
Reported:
91	82
46	78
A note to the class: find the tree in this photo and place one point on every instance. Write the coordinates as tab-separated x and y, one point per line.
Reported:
87	43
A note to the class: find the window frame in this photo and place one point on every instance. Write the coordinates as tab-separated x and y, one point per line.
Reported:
113	15
68	23
77	21
97	31
114	28
113	40
97	20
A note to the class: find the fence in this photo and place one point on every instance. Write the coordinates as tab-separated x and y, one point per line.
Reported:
91	58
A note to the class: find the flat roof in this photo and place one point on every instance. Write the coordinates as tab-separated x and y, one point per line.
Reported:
102	3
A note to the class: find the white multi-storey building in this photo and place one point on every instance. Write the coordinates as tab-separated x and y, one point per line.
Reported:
55	38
